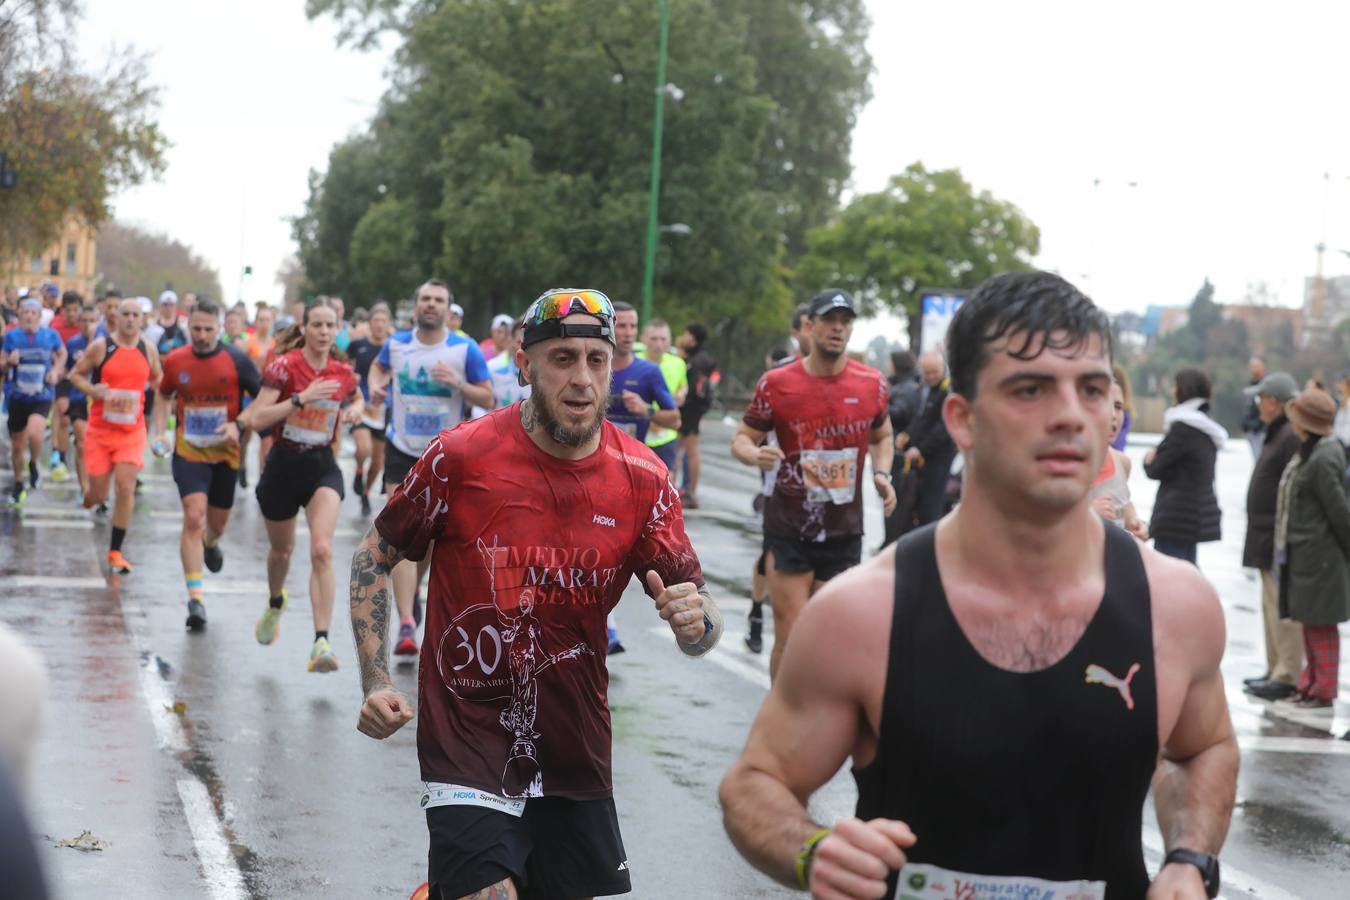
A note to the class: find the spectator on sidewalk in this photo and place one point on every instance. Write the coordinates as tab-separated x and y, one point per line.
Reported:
1312	546
926	445
902	407
1284	637
1186	510
1122	378
1252	426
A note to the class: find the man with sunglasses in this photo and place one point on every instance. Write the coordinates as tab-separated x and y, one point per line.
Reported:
541	513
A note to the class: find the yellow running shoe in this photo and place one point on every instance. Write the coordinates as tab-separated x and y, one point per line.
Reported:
321	658
269	623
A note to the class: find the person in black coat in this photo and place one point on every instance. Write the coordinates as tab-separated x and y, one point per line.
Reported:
927	447
902	406
1284	637
1186	510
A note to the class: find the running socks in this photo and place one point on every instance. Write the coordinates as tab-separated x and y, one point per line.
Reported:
195	589
277	602
408	621
757	609
118	535
320	635
208	540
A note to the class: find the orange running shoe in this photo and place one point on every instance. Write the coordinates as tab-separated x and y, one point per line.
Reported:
118	563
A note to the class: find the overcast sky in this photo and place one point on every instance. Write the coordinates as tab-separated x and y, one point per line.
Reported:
1207	127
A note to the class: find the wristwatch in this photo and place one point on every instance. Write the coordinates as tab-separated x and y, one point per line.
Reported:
1208	866
886	475
296	401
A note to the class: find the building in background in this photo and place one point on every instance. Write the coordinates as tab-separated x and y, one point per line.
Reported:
1268	327
70	261
1326	303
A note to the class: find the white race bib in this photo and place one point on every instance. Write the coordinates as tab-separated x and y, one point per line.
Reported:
200	424
924	882
30	378
423	419
122	407
830	476
439	794
313	423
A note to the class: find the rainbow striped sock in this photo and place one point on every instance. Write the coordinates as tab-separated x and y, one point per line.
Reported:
193	580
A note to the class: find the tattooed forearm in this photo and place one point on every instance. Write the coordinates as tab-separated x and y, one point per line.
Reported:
371	565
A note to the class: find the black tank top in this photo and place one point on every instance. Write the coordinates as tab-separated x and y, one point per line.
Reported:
1039	774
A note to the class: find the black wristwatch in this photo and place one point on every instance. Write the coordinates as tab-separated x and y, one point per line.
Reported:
296	401
1208	866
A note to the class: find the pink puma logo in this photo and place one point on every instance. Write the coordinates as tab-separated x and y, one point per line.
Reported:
1098	675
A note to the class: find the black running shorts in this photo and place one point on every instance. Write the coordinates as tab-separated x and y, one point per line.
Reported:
825	558
376	433
397	464
63	388
690	417
289	480
216	480
79	410
557	848
20	410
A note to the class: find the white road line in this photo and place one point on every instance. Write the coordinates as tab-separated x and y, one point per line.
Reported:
1261	743
55	581
219	870
1233	879
73	524
162	523
729	654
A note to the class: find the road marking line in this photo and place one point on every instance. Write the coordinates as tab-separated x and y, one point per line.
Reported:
724	655
56	581
1233	879
75	524
224	881
161	523
1262	743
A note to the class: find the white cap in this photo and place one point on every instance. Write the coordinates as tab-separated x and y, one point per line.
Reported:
168	297
146	306
503	319
457	309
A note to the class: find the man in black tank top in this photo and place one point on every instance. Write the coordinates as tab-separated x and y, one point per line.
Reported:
1004	681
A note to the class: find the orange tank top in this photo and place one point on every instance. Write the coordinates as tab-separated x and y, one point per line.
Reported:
126	372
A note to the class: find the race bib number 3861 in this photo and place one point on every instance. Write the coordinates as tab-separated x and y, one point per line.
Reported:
831	476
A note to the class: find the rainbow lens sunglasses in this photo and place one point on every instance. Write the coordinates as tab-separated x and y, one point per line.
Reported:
544	319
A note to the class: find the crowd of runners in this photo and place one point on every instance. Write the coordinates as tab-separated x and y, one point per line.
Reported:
531	476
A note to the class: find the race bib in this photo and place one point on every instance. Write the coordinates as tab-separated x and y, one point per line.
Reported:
925	882
200	424
438	794
313	423
30	379
423	419
122	407
831	476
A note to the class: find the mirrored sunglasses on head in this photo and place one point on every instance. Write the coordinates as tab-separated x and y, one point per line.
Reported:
543	320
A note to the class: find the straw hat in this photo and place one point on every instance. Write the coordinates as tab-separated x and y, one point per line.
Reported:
1312	411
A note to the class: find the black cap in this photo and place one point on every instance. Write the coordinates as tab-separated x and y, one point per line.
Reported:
831	299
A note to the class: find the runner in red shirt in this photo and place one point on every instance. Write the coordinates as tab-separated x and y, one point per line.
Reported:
826	411
541	513
210	381
303	393
67	325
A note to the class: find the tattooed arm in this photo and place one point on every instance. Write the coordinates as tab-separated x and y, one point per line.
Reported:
385	709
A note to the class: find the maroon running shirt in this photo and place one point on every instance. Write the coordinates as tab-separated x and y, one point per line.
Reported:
314	424
531	553
824	425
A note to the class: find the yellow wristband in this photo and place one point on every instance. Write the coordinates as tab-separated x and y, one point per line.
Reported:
807	855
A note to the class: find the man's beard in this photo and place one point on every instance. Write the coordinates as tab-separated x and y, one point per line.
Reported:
547	419
430	322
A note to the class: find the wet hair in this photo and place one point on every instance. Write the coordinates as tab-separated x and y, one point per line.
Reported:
902	361
207	306
697	332
72	298
434	282
800	315
1191	384
1033	311
293	338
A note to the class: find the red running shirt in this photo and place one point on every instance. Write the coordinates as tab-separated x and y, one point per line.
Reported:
209	390
532	552
315	424
824	425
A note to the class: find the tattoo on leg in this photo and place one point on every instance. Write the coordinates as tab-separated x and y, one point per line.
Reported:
499	891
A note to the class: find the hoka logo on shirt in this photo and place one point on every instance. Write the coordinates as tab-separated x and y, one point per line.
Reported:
607	521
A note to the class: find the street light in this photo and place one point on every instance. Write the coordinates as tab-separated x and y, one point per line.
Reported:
649	264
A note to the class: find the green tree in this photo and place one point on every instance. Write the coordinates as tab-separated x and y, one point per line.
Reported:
337	201
926	229
138	262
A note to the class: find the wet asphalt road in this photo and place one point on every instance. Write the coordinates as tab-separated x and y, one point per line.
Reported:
213	767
